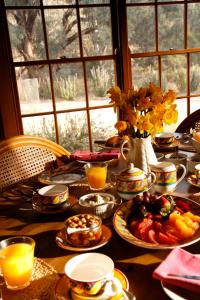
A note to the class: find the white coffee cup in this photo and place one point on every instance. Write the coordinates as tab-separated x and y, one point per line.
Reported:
91	276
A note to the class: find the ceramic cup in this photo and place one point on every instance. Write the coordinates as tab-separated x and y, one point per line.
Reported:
164	138
192	162
54	194
197	173
91	276
166	176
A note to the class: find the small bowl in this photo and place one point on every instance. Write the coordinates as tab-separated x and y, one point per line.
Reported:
192	162
97	204
164	138
83	230
53	195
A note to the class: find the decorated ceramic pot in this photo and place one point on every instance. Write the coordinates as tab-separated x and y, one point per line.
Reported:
166	176
133	181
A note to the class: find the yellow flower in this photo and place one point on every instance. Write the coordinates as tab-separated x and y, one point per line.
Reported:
171	115
145	111
121	126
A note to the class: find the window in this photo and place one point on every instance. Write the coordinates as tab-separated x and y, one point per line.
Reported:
164	41
67	53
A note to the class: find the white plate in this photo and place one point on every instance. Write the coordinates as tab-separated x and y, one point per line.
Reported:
177	293
62	178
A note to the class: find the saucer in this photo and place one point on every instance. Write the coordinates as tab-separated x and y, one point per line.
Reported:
62	291
39	207
193	180
63	243
166	147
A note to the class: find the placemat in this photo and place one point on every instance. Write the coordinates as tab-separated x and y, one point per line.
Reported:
42	287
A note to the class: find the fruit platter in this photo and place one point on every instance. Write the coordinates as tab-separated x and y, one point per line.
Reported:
158	221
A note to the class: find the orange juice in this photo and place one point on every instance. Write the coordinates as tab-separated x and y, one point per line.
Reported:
16	262
96	176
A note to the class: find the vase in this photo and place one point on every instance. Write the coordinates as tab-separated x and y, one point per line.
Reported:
140	152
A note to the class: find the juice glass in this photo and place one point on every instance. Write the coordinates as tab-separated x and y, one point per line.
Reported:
16	261
96	175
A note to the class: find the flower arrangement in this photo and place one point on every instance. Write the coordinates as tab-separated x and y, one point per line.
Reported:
145	111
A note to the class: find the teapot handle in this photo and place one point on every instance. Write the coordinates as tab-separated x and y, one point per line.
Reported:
153	178
122	149
184	172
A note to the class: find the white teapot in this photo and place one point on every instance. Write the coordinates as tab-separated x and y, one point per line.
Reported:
133	181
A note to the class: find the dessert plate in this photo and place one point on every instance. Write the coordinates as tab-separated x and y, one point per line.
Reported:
43	209
59	176
193	180
62	291
120	225
63	243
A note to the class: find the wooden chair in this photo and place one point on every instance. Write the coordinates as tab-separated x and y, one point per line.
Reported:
192	121
23	157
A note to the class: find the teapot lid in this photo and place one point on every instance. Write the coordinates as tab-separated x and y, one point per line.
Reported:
132	173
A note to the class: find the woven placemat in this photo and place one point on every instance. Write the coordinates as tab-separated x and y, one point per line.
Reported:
42	287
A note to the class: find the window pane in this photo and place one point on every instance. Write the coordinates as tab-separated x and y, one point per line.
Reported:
139	1
144	70
102	123
93	1
68	85
194	104
195	73
193	25
26	34
182	114
169	0
96	31
40	126
21	2
34	89
174	73
141	33
62	32
59	2
171	26
100	77
73	132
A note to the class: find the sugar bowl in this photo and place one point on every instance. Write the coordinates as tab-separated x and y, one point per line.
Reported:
133	181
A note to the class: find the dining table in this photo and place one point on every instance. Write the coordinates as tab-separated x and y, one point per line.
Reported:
18	217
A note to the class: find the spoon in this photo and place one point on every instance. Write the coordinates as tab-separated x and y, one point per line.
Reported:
128	295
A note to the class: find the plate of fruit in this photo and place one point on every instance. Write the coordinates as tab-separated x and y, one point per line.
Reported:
158	221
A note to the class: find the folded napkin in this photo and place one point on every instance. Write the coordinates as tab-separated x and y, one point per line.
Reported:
179	262
95	156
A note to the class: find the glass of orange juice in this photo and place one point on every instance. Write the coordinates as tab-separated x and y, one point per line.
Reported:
16	261
96	174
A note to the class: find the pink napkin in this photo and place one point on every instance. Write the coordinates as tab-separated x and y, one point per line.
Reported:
179	262
94	156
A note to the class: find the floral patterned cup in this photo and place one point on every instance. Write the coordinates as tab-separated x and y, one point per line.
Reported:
88	273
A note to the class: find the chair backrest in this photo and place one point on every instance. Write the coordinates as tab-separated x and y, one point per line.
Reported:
192	121
24	156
